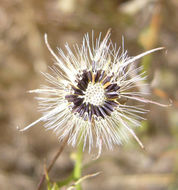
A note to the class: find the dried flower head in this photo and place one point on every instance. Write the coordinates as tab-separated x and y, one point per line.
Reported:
86	98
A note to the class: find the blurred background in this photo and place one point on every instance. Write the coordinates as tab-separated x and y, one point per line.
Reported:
145	24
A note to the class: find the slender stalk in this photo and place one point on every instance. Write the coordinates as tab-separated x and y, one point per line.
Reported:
78	165
61	148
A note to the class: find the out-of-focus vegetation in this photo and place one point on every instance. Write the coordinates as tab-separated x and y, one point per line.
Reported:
144	24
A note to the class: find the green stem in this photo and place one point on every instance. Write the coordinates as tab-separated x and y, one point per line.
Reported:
78	165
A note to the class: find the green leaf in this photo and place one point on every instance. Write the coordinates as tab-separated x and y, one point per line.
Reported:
65	181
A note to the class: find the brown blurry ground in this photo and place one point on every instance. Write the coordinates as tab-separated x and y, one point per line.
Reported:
23	55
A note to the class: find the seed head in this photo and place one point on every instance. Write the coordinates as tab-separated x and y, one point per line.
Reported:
86	99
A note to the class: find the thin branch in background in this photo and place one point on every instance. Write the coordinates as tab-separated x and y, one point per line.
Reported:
61	148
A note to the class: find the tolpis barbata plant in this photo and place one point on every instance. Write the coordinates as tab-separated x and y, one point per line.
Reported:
85	100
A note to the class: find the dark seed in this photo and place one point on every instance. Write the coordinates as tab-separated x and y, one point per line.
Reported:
84	76
74	108
84	82
98	113
81	85
107	79
98	73
78	101
85	117
117	88
77	108
105	110
82	111
111	87
71	98
102	112
101	76
110	102
90	115
89	76
111	94
77	91
74	88
108	106
92	109
87	108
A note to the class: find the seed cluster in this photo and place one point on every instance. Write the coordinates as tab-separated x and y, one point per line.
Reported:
94	95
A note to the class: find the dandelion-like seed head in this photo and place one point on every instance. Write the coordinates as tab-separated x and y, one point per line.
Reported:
94	95
84	101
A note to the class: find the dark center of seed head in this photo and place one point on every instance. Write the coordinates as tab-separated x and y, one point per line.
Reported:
92	96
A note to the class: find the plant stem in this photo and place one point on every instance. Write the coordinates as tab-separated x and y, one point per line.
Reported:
78	165
61	148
